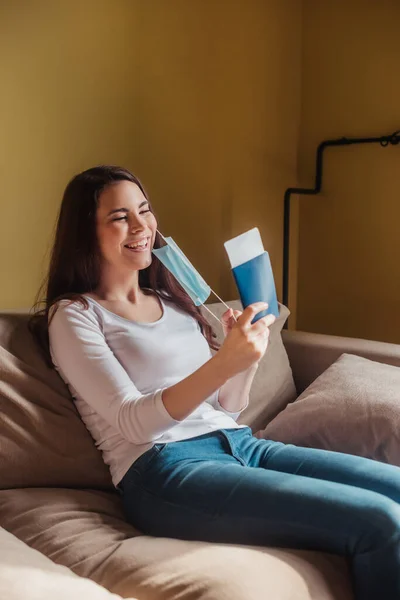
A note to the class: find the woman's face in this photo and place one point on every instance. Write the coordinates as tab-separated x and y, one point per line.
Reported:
126	228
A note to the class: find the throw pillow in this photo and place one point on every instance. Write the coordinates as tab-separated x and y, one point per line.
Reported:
353	407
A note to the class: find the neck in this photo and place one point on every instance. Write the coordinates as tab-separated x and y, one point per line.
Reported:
119	286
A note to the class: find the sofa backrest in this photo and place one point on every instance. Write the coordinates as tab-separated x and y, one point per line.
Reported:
43	441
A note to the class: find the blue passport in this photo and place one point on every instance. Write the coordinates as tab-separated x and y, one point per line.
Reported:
255	283
252	271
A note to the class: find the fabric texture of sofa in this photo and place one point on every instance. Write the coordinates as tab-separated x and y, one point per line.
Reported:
56	495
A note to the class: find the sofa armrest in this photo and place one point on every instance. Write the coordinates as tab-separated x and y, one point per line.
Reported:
311	353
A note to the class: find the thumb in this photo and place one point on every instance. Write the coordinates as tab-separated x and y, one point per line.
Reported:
227	315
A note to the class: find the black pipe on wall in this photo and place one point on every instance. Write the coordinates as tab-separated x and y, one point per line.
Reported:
383	140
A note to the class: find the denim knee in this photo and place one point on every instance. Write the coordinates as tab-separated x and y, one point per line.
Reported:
379	522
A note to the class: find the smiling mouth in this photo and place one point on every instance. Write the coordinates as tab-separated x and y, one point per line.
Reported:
140	246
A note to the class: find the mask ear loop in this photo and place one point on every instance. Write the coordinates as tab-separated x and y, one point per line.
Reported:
211	313
204	306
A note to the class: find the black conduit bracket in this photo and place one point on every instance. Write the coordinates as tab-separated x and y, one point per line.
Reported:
383	140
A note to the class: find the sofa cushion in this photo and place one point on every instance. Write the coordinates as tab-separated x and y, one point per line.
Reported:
353	407
86	531
43	440
26	574
273	386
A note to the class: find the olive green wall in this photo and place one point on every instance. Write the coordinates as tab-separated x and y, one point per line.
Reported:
66	103
200	98
349	245
219	104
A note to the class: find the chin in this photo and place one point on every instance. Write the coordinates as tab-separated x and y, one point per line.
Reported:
148	262
141	264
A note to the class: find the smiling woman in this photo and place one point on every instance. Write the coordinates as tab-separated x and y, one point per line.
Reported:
125	244
144	242
135	353
105	232
125	235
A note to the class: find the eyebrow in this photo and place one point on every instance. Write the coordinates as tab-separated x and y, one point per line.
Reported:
125	210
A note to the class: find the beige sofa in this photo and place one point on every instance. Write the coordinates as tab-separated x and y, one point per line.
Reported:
60	516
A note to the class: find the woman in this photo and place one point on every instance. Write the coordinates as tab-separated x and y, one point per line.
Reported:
135	353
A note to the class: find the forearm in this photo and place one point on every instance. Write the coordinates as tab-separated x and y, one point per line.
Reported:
232	368
234	393
181	399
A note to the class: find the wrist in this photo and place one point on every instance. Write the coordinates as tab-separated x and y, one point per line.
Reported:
222	367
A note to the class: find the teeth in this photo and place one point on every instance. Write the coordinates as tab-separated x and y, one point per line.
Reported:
138	245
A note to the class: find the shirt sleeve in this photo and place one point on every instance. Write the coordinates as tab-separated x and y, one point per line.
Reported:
214	401
89	367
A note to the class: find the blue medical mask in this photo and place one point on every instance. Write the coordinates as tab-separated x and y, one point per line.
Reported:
182	269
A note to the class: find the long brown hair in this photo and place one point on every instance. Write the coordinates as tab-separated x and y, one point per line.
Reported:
75	258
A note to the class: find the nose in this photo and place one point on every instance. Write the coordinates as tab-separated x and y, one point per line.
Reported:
138	224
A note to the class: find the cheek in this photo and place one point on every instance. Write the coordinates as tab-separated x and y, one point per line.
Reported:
108	237
153	223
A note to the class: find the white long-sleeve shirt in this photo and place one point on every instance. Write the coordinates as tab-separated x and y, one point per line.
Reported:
116	371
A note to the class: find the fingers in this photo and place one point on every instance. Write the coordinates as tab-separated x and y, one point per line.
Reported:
235	316
227	315
267	321
262	326
250	312
230	316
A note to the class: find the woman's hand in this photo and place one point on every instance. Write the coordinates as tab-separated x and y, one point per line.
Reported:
229	318
245	343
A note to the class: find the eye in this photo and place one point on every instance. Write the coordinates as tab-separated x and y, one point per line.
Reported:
121	219
145	211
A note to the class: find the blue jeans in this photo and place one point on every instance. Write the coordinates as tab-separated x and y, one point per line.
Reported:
228	486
